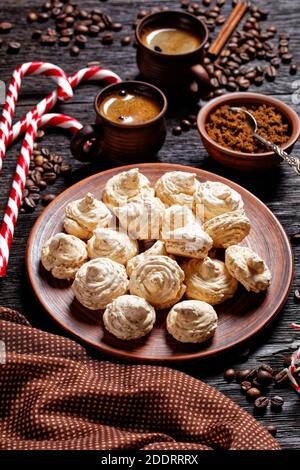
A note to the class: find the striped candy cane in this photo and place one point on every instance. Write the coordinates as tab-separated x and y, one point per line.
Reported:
83	75
15	196
64	92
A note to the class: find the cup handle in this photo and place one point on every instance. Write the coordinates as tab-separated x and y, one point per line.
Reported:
202	79
86	145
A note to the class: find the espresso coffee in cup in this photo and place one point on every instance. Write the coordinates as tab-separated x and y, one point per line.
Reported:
170	51
130	124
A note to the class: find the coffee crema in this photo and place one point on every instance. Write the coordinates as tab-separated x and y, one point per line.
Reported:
124	107
171	40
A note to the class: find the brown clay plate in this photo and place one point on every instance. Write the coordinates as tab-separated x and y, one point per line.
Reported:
239	319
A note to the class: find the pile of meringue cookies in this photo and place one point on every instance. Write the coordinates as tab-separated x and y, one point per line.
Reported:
188	222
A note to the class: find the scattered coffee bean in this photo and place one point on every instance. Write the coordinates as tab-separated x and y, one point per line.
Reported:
5	27
272	429
277	403
245	386
107	39
74	51
281	378
286	58
43	17
253	393
185	125
229	375
13	47
177	130
80	40
29	204
261	404
297	295
271	73
31	17
242	375
116	26
65	169
125	41
48	40
293	69
47	198
264	378
64	41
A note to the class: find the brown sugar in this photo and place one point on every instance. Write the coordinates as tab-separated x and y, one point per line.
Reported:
230	130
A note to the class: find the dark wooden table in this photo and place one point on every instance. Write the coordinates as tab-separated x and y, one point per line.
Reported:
279	189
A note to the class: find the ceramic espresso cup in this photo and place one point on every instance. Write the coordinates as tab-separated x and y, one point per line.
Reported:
130	124
170	51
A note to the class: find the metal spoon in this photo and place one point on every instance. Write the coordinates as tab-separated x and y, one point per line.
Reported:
293	161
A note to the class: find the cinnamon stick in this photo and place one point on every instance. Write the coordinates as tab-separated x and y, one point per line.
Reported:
233	20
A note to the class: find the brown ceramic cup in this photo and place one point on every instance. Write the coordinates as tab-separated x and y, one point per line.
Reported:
118	141
178	75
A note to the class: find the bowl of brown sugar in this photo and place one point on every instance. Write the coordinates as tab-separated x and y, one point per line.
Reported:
229	140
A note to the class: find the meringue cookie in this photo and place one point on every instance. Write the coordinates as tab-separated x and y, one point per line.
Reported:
176	217
177	187
248	268
129	317
159	280
142	218
107	243
125	187
209	280
228	229
190	241
63	255
192	321
214	198
99	282
157	249
85	215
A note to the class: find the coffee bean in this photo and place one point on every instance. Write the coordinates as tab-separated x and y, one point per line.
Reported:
281	378
220	3
69	20
271	73
125	41
264	378
287	58
47	166
229	375
231	86
243	83
56	168
245	386
276	62
242	375
176	130
57	159
277	403
36	33
214	82
39	169
94	30
5	27
272	429
36	177
31	17
80	41
35	197
206	3
297	295
65	169
185	125
266	368
44	152
49	177
283	50
64	41
184	3
107	39
81	29
42	184
29	204
47	198
74	51
272	29
142	13
116	26
261	404
253	393
43	17
258	81
13	47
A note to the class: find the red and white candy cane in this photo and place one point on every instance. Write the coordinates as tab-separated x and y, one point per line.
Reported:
15	196
83	75
64	92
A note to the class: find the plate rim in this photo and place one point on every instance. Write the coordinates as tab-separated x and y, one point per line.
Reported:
109	350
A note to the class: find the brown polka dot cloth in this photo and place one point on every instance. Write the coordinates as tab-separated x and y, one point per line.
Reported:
54	394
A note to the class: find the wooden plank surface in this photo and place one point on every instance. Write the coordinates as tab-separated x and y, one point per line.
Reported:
279	189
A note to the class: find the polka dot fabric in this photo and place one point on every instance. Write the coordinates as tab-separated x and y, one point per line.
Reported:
54	394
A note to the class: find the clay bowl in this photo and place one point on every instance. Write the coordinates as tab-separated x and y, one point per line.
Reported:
239	160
